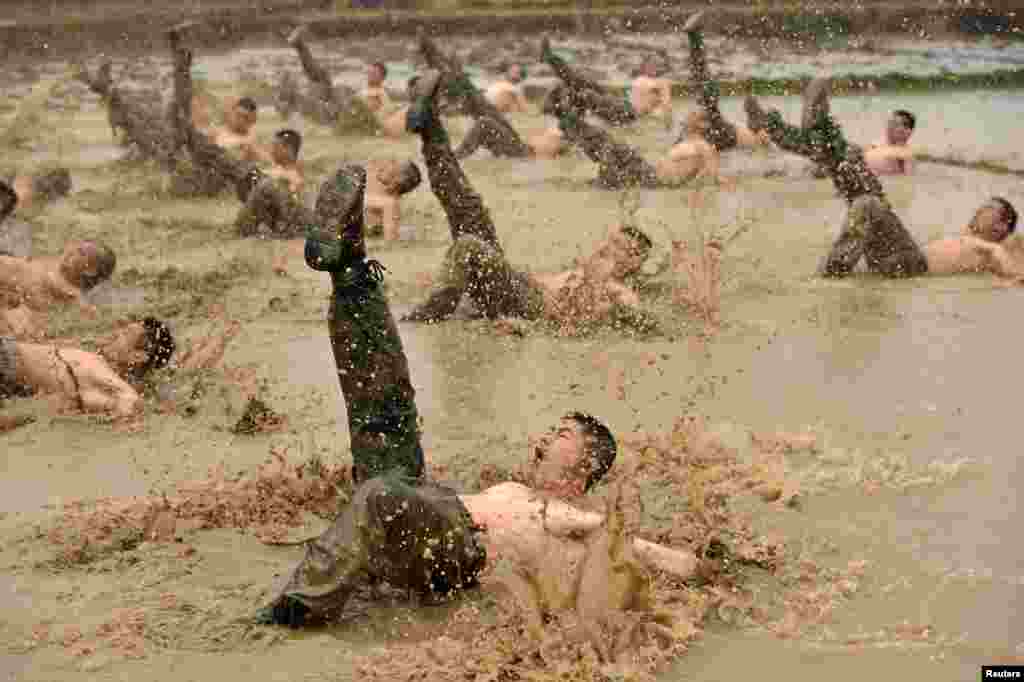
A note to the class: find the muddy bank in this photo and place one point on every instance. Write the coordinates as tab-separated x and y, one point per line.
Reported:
44	35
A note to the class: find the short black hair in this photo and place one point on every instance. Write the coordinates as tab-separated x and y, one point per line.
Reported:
410	177
159	345
52	184
601	447
1009	212
638	236
106	261
909	119
291	139
247	103
8	200
382	66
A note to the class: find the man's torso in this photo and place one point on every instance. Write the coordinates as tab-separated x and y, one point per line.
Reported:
887	159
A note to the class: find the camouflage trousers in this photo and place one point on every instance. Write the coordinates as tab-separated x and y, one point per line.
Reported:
495	136
474	268
327	104
873	231
590	96
418	538
619	165
720	133
374	376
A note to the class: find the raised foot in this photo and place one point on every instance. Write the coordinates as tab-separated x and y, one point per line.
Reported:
757	118
422	110
178	31
816	104
695	22
297	35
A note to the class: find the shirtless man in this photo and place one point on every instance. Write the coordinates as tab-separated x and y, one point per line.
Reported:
41	188
475	264
412	533
650	93
491	130
40	283
893	155
337	105
871	229
387	180
507	94
284	153
90	382
620	165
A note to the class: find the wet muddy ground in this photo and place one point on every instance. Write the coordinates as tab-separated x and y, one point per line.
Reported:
908	386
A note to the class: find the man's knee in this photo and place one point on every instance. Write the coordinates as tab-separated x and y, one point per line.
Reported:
867	210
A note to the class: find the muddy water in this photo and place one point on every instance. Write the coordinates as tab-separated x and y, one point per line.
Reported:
918	374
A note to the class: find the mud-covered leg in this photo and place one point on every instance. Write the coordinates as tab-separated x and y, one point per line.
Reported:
372	369
493	137
619	165
417	538
570	76
871	229
269	205
316	74
8	201
721	134
614	109
467	214
151	135
820	139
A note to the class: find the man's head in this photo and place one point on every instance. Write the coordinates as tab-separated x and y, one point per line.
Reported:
241	116
87	263
900	127
573	456
696	123
621	254
51	185
994	221
8	200
137	348
286	147
649	69
376	74
514	73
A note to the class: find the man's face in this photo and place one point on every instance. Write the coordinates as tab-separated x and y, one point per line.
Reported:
80	258
989	223
514	73
241	120
281	153
897	130
374	76
125	347
557	459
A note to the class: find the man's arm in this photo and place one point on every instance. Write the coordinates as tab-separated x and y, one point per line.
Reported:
995	258
679	563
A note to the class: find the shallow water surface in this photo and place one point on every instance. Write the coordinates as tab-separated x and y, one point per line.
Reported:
917	372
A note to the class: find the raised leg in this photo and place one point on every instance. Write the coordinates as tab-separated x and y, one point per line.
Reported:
494	137
721	134
872	230
820	139
467	214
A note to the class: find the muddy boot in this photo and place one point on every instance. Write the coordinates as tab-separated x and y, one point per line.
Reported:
339	214
297	35
816	105
695	22
178	32
565	72
757	117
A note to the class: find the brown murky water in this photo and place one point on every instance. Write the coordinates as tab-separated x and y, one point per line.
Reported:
913	378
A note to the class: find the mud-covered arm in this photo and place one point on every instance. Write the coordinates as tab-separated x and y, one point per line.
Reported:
679	563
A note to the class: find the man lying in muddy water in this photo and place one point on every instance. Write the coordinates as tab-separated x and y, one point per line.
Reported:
475	264
398	527
621	166
491	130
337	105
41	283
648	95
871	229
90	382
